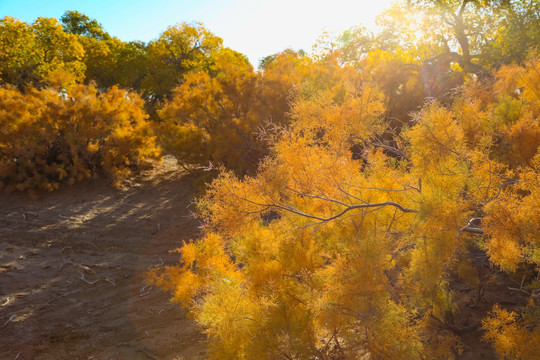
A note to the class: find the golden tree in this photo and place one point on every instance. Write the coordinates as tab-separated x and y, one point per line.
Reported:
31	54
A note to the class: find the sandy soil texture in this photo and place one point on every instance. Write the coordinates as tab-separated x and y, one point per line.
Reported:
72	267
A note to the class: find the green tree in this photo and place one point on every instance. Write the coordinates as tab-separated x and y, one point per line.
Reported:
77	23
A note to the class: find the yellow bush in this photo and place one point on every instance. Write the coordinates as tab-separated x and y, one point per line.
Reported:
48	137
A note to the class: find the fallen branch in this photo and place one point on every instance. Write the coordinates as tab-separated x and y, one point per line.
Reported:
85	268
61	296
533	294
90	243
86	281
9	320
25	215
520	290
143	290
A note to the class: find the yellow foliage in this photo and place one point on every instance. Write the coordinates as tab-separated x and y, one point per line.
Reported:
31	54
289	274
213	118
342	245
506	111
524	140
356	117
513	225
179	50
226	115
48	137
510	335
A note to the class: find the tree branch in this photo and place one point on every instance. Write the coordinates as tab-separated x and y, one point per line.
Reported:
470	228
348	208
500	186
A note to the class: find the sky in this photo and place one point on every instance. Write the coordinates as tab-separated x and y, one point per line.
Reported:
256	28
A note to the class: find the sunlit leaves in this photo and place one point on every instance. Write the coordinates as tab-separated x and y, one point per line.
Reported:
511	336
330	252
214	117
49	137
180	49
31	53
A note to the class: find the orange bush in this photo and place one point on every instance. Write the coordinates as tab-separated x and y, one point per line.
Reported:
47	136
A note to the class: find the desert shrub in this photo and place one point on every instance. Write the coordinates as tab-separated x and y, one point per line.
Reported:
49	136
326	255
228	114
214	118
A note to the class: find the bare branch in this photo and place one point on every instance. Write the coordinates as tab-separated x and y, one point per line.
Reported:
535	294
475	230
318	197
346	210
405	188
500	186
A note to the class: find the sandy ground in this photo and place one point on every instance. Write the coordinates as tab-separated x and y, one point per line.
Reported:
72	267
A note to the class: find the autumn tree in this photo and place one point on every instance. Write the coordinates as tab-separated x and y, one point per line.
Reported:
77	23
473	29
305	234
282	74
108	60
288	74
31	54
181	49
212	116
428	48
280	302
398	57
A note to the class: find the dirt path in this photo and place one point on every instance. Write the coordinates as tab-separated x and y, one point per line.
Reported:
72	269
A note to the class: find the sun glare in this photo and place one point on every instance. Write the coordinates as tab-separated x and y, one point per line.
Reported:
271	26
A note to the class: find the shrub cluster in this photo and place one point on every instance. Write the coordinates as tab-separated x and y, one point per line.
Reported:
49	136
